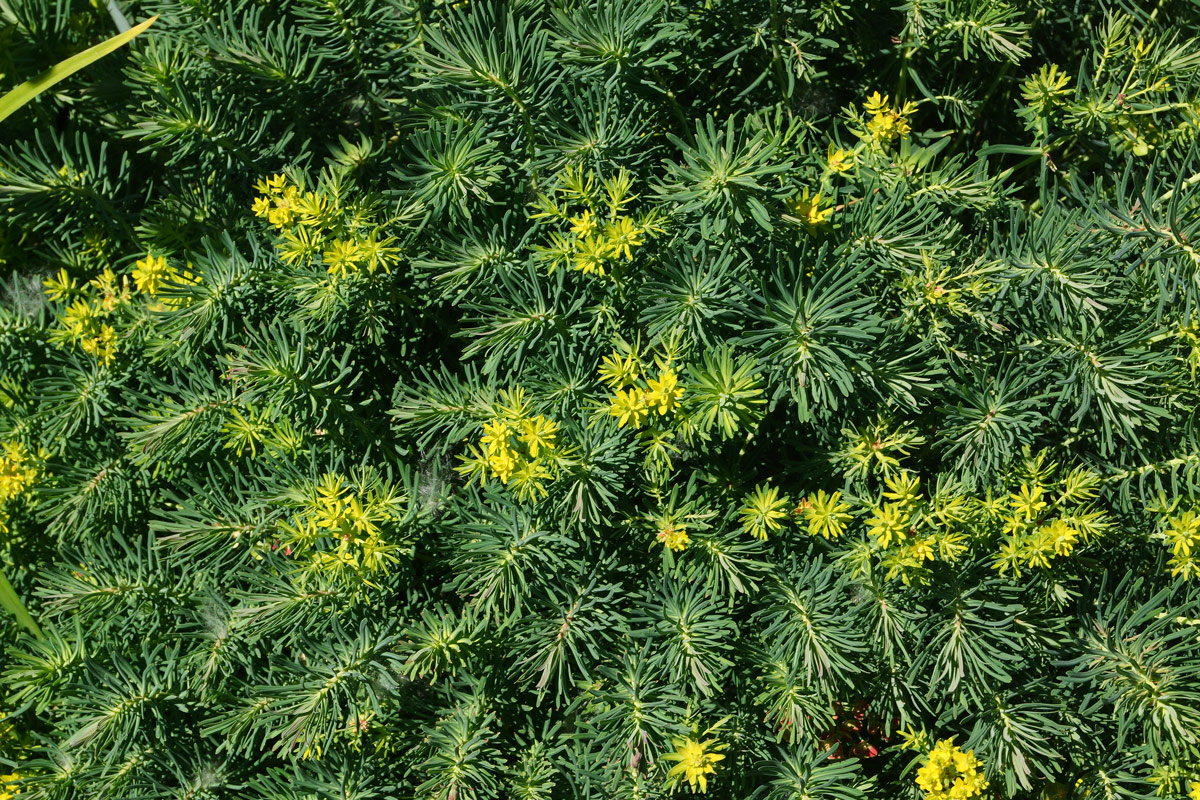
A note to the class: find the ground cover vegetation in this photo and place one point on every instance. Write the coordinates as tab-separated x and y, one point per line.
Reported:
601	399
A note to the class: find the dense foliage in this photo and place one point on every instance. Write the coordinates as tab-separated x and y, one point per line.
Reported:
602	398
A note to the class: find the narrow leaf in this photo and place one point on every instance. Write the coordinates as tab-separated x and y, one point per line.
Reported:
12	603
22	94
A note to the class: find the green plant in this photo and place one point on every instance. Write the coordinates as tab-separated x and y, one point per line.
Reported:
10	103
602	399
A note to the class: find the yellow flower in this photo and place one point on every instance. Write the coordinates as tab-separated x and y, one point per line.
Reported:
622	235
887	122
885	127
1194	794
499	453
271	186
78	317
619	371
285	208
1028	500
922	549
1060	537
496	436
838	160
876	103
697	760
261	206
807	208
664	393
590	255
629	405
60	287
279	216
951	774
888	523
826	515
7	790
1183	533
150	273
17	470
112	291
673	536
503	462
341	258
508	461
101	343
584	224
338	528
537	433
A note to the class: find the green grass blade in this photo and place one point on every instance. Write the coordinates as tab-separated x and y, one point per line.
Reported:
12	603
22	94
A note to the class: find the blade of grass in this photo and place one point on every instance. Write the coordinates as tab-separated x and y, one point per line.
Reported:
12	603
22	94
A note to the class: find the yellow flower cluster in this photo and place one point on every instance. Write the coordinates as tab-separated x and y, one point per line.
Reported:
951	774
1043	519
518	447
531	436
696	761
1036	546
90	310
152	272
600	234
673	523
826	515
1039	527
282	203
7	788
634	398
674	536
315	224
340	526
19	468
85	320
887	121
1194	793
910	529
1183	535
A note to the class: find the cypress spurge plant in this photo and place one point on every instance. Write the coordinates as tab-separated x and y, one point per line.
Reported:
602	399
